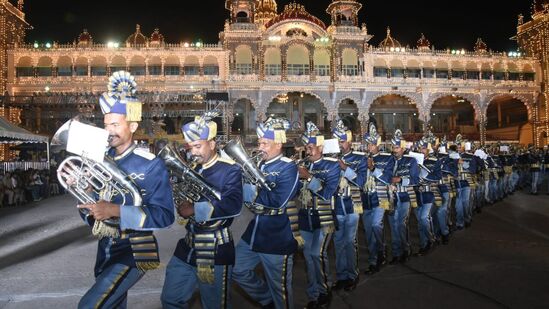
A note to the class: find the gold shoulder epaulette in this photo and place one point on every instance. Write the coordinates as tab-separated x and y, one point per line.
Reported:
228	161
144	153
286	159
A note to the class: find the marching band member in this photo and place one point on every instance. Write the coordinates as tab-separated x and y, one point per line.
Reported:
204	258
467	167
405	177
376	199
126	252
316	217
534	161
348	208
447	191
429	194
269	239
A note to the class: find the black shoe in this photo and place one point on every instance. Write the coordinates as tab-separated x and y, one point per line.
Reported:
445	239
351	285
324	300
425	250
467	224
372	269
381	260
405	257
313	304
340	284
395	260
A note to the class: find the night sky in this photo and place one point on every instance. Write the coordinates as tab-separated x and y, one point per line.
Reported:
447	24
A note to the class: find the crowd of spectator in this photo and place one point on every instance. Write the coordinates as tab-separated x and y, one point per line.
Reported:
24	186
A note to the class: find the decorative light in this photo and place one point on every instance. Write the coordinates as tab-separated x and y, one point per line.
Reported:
186	44
198	44
394	114
48	45
111	44
47	89
36	45
275	38
415	114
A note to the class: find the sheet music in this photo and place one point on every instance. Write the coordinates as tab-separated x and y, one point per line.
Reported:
331	146
87	141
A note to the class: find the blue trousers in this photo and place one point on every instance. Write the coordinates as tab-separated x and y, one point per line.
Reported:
440	216
425	224
315	252
535	180
346	247
277	286
110	289
398	221
462	206
181	281
493	190
373	227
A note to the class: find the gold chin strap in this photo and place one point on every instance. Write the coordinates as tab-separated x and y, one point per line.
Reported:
101	230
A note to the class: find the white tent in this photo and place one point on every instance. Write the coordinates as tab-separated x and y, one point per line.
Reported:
12	134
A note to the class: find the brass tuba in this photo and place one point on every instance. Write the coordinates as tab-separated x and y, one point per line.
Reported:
88	181
191	186
252	174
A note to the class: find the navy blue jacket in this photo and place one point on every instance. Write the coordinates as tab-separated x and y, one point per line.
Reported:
272	234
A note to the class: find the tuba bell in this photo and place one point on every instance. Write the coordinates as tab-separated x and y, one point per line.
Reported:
191	186
89	181
252	174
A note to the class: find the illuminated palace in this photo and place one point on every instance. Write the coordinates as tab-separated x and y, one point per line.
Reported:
288	63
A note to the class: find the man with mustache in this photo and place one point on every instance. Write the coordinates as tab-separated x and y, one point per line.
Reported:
269	240
205	257
126	251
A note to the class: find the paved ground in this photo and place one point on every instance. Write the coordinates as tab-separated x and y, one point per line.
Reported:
502	261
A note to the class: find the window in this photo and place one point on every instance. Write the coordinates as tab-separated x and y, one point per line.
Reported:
473	75
155	70
81	71
442	73
398	72
529	76
191	70
322	70
171	70
514	76
380	72
349	70
428	73
211	70
272	69
413	73
486	75
298	69
458	74
244	69
64	71
45	71
137	70
99	71
499	75
24	71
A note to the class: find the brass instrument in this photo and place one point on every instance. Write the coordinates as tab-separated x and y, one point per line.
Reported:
88	181
250	170
191	186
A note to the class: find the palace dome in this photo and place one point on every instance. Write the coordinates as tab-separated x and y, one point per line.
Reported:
423	43
294	11
85	38
137	38
389	41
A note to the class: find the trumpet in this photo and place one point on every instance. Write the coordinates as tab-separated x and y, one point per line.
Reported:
249	167
191	185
